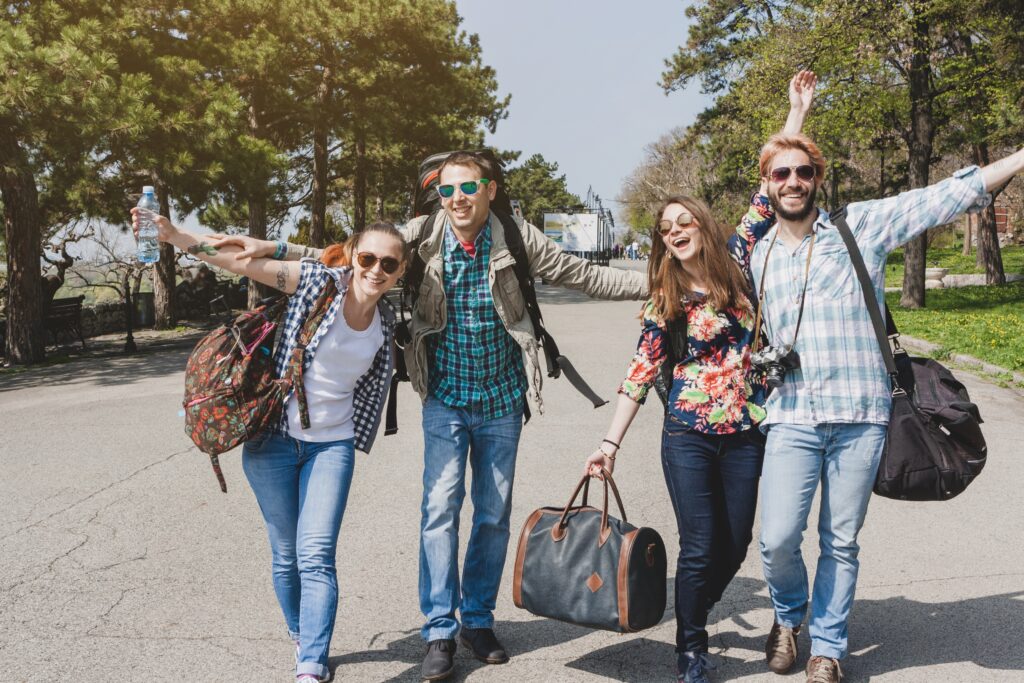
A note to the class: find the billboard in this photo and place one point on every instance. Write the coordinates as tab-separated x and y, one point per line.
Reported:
573	231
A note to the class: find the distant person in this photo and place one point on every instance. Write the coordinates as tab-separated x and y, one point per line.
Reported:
301	469
473	360
711	449
826	424
634	251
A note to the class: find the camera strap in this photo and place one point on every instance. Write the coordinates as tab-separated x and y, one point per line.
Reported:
756	344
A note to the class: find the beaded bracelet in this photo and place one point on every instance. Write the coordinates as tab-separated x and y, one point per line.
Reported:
280	251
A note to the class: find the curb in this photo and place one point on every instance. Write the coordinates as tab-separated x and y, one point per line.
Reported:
924	346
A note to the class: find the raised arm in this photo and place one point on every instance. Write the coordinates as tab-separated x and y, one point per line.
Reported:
801	97
282	275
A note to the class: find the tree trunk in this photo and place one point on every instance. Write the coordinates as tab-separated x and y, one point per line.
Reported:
257	229
919	146
968	230
359	184
163	274
989	254
257	199
318	217
25	342
129	312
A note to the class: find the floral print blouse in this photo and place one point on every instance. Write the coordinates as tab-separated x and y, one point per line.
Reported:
713	390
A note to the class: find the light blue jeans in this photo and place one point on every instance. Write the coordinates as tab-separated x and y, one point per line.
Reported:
451	437
844	459
302	489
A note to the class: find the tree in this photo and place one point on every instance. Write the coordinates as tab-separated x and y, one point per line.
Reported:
61	95
889	75
539	190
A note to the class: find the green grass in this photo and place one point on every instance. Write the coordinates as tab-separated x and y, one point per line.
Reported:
950	257
984	322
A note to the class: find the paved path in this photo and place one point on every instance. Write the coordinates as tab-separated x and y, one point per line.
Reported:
121	560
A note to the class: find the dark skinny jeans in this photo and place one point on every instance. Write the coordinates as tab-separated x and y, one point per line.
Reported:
712	482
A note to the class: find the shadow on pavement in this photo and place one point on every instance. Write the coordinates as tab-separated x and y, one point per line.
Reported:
105	371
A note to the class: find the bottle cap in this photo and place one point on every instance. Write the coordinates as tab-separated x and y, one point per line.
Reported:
148	189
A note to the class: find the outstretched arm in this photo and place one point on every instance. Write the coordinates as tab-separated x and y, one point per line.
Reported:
998	173
282	275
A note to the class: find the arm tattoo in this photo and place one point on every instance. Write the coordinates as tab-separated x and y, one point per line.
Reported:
208	249
282	276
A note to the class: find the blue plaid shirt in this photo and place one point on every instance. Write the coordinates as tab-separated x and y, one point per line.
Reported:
372	388
476	363
841	377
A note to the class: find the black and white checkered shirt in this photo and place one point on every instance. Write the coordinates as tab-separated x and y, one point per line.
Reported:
371	391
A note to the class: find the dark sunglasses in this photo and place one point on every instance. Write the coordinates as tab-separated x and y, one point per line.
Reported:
781	174
388	264
468	187
683	220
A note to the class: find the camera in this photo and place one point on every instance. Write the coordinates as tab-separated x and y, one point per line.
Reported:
774	362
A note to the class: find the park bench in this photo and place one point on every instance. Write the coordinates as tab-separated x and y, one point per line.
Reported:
65	315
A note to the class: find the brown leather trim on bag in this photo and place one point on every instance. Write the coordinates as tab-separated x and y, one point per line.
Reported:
623	579
517	575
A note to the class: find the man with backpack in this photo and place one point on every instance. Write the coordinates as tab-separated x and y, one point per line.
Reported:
827	418
472	356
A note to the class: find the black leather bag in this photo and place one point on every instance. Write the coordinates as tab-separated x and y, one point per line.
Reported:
934	447
580	565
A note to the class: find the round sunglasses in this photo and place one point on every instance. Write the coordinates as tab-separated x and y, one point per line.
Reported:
388	264
683	220
781	174
469	187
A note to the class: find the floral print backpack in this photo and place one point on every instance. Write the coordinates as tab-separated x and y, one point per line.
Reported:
232	392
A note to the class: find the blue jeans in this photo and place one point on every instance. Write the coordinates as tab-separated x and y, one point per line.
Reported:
712	482
302	489
451	436
844	459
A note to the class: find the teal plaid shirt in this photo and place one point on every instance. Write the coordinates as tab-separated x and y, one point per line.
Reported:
476	363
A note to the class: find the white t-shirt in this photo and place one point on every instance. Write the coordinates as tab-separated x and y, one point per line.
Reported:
342	357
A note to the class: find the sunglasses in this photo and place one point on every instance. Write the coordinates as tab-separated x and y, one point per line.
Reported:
388	264
683	220
468	187
803	172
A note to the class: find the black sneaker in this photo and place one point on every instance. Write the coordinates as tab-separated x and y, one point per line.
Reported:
484	645
439	663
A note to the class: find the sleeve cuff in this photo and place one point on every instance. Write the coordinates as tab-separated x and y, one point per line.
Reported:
972	176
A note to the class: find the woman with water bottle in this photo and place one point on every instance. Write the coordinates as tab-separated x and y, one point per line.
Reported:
301	476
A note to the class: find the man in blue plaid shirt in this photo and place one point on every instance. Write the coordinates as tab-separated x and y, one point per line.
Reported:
827	422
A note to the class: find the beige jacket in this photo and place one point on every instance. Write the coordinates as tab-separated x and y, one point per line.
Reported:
547	261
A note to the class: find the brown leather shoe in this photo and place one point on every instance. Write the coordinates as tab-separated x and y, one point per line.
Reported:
780	650
823	670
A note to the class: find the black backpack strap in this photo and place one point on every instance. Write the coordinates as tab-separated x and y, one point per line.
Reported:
675	350
838	218
556	362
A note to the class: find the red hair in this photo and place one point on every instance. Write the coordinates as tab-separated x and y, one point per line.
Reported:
335	256
780	142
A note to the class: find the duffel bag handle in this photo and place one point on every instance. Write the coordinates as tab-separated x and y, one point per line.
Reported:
558	531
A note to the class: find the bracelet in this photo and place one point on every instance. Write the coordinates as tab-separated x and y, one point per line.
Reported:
280	251
611	442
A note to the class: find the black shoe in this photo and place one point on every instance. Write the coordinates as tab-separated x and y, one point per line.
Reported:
484	645
438	663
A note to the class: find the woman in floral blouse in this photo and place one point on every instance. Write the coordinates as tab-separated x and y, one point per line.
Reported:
711	448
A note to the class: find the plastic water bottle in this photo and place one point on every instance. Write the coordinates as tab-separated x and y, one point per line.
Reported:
149	246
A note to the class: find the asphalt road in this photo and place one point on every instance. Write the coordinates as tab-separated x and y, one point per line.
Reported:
120	559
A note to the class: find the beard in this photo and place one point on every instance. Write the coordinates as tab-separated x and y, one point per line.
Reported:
798	215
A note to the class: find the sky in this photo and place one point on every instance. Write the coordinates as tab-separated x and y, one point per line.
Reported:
583	76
